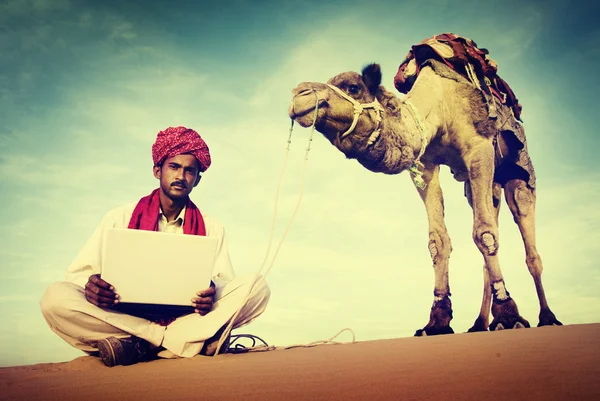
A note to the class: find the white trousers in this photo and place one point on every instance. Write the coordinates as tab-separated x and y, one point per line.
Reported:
82	324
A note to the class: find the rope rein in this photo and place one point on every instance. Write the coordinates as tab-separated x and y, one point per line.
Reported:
258	278
415	168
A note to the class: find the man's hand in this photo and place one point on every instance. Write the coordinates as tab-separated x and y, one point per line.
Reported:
204	302
100	293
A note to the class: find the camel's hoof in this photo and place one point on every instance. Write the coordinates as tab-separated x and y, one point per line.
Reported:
547	318
479	325
506	314
434	331
439	319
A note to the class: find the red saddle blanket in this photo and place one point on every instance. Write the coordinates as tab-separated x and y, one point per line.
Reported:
462	55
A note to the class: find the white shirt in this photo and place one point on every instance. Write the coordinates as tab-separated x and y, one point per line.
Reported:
89	259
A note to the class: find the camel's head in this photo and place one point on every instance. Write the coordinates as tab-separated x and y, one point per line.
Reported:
349	114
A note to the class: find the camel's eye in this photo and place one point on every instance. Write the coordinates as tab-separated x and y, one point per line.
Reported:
353	89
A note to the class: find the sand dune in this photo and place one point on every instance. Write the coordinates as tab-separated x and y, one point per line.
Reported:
549	363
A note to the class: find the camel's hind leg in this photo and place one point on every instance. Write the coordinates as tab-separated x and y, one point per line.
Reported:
479	160
482	321
521	201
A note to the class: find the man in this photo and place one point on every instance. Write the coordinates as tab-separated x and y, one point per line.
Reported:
84	310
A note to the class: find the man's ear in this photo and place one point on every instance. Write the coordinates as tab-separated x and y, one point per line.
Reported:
197	180
156	170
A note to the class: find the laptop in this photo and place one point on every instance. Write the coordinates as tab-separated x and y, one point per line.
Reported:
149	267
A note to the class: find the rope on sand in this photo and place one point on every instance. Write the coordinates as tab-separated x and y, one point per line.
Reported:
238	348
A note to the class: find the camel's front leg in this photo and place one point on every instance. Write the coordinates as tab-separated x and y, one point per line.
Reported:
439	248
479	159
482	321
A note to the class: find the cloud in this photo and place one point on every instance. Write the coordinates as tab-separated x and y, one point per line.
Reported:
325	53
49	172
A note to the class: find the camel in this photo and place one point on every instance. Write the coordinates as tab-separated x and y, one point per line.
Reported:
386	134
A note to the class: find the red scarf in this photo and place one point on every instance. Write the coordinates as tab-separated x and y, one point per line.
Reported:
145	216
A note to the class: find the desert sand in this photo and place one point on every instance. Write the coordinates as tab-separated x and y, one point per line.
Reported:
548	363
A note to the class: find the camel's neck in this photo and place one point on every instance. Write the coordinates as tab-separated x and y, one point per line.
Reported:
427	98
406	125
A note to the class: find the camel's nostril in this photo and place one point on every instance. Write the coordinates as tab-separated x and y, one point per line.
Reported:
306	92
306	88
302	91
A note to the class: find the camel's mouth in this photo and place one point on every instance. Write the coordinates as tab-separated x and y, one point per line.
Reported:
302	110
305	97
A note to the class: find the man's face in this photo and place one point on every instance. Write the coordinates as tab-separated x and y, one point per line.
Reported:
178	175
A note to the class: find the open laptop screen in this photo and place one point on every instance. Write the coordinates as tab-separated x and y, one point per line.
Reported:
151	267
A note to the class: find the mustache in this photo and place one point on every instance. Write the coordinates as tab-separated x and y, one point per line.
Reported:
179	184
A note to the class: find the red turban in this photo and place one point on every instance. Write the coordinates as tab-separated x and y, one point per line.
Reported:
179	140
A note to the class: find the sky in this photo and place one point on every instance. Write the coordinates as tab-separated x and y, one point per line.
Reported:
85	87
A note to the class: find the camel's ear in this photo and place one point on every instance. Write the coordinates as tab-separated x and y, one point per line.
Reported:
372	77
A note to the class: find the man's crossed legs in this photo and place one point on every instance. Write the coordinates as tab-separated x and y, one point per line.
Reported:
84	325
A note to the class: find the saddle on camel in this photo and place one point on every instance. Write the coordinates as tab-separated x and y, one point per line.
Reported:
462	55
475	65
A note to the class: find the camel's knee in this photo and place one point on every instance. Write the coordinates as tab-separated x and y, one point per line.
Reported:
523	200
486	239
520	198
60	299
440	246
